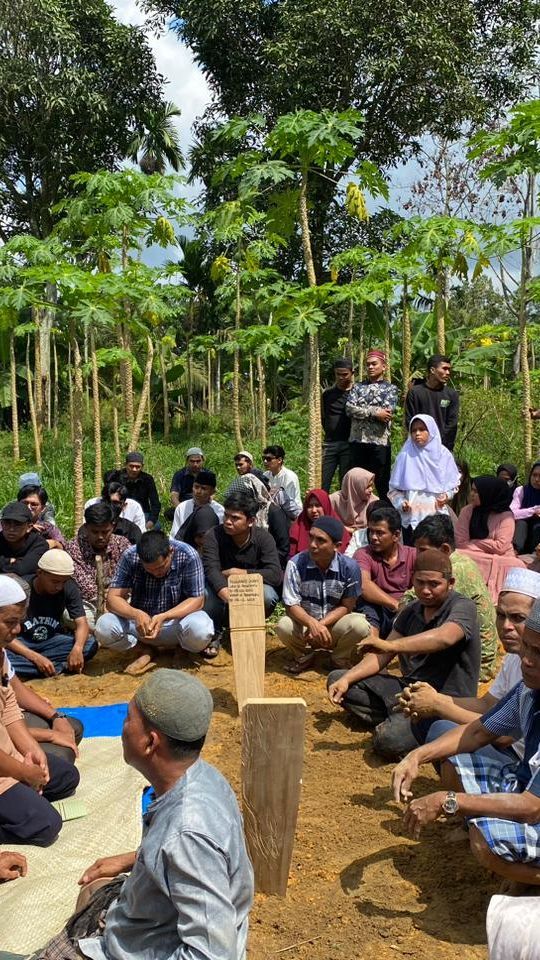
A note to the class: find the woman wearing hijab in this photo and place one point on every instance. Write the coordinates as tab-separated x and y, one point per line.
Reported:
316	504
351	502
525	507
485	530
508	472
270	515
424	477
195	527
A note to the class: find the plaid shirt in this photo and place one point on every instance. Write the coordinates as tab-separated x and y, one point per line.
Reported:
84	560
317	591
518	715
156	595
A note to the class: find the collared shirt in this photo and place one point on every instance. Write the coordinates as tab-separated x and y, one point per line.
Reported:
364	399
455	669
258	555
143	489
287	480
155	595
517	715
84	561
393	579
190	891
320	591
185	509
182	483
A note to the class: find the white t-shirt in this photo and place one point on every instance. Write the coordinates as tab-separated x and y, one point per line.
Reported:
185	509
131	510
288	480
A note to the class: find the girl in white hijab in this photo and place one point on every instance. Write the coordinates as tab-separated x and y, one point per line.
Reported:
424	477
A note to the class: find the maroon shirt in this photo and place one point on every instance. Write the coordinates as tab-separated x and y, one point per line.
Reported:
393	580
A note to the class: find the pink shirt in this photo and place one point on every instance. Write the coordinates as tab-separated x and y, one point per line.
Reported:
501	528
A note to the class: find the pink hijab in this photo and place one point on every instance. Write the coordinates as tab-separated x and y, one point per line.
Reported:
352	501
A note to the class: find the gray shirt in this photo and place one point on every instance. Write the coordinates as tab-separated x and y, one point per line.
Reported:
190	891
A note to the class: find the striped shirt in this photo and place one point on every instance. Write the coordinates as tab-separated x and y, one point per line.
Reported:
518	715
158	594
320	591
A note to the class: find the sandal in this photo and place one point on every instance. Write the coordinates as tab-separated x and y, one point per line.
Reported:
302	663
212	650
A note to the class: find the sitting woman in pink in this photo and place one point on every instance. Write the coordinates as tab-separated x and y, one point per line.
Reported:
485	530
316	504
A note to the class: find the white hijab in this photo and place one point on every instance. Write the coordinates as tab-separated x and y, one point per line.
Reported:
431	469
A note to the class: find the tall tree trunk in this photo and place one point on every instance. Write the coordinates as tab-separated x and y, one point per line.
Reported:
315	429
70	394
237	423
211	409
252	401
96	411
32	406
78	411
86	378
166	410
126	376
387	339
261	375
45	331
136	432
406	339
149	413
526	272
14	407
361	342
218	382
38	391
441	303
350	324
56	394
116	430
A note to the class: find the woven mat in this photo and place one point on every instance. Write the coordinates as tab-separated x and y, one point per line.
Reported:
37	906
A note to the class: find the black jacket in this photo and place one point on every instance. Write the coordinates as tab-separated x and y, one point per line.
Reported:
258	556
25	558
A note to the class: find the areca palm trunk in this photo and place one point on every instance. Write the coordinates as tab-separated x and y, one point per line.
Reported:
32	406
261	376
136	432
166	411
56	394
116	432
126	375
210	382
237	423
387	337
14	407
361	343
38	386
406	339
96	410
441	302
526	272
314	385
78	412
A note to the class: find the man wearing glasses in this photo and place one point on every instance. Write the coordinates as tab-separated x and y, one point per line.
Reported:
281	478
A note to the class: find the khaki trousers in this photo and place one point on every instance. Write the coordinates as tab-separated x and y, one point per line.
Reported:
346	634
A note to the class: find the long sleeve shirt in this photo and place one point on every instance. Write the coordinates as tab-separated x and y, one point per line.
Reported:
22	559
189	893
501	528
519	512
258	555
143	490
334	415
442	405
364	400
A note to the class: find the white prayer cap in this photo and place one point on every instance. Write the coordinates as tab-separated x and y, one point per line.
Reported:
10	591
521	580
194	452
244	453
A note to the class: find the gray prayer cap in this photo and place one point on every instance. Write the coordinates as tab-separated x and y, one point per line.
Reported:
179	705
533	620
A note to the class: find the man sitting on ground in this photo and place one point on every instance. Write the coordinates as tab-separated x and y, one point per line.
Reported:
56	732
238	546
156	599
320	591
96	552
436	639
28	779
499	800
204	488
438	532
45	646
190	884
20	545
284	484
141	486
387	570
420	701
182	481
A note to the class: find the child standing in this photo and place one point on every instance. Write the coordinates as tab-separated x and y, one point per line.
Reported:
425	476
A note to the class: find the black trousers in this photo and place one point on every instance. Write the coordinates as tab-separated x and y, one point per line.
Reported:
527	535
377	459
33	721
27	816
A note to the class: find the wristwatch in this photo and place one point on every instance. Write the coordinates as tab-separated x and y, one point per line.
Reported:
450	804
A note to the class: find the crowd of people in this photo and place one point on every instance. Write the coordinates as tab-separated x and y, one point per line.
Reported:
411	559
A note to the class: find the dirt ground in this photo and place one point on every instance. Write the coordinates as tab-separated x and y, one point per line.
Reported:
358	887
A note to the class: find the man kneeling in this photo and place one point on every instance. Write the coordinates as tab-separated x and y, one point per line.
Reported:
499	799
320	591
190	883
166	582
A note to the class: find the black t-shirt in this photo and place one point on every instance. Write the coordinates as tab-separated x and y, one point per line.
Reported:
25	556
335	421
453	671
442	405
45	612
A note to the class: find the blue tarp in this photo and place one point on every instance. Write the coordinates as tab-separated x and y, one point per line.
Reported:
104	721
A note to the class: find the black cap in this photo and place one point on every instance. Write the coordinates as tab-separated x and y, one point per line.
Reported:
206	477
18	511
343	362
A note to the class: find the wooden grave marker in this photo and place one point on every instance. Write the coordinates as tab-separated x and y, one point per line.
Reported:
248	634
272	760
